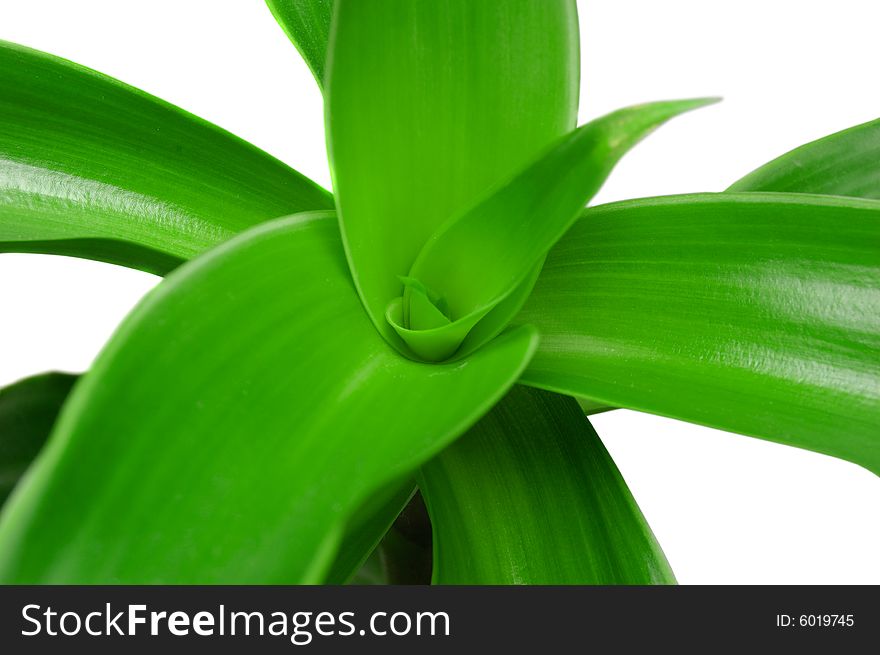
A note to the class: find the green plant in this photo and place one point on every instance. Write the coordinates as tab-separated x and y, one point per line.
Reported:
261	415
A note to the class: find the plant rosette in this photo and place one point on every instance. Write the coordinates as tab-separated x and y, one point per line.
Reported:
445	320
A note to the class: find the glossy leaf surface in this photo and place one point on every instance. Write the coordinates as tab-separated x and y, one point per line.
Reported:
428	105
754	313
87	162
846	163
28	410
240	415
530	496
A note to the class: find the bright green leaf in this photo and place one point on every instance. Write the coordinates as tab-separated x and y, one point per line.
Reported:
28	410
238	417
530	496
87	162
307	25
429	105
476	260
754	313
846	163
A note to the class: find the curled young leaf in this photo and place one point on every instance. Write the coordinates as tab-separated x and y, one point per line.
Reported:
259	409
428	106
478	259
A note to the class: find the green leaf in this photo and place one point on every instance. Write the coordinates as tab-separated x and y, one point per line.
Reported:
307	24
846	163
753	313
28	410
589	407
365	529
407	548
428	106
235	421
404	555
87	162
530	496
121	253
477	260
372	572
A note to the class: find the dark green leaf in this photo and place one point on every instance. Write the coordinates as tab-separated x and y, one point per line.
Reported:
88	162
372	572
429	104
589	407
121	253
530	496
236	420
27	413
404	555
307	25
754	313
844	164
407	549
365	529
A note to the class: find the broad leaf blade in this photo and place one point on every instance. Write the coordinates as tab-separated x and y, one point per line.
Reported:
846	163
259	409
429	104
754	313
530	496
478	259
90	162
28	410
307	24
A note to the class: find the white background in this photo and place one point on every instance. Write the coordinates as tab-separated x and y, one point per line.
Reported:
726	508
